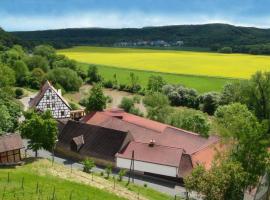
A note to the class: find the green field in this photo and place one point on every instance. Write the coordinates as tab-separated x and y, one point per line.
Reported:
203	71
201	83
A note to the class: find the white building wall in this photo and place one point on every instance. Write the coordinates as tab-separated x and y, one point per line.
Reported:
51	101
147	167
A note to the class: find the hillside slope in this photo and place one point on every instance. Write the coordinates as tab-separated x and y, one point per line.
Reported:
206	36
8	40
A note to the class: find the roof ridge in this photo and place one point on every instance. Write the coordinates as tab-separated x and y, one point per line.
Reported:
130	123
160	145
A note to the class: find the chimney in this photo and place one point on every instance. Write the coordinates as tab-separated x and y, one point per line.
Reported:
152	143
59	92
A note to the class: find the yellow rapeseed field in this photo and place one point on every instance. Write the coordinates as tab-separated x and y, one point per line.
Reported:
178	62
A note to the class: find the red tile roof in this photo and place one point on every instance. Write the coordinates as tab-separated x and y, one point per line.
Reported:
143	130
157	154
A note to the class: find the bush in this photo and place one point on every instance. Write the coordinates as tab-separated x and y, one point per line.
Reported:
19	93
108	171
88	165
126	104
181	96
122	87
74	106
121	174
108	84
225	50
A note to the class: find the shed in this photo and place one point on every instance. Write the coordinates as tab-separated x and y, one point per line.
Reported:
10	149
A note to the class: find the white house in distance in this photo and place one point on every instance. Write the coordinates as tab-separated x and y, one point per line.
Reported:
49	98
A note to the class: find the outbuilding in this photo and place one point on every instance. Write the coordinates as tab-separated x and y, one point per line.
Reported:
10	149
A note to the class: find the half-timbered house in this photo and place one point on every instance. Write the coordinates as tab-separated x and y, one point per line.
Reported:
51	99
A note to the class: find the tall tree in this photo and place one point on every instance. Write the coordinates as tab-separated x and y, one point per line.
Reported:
7	76
224	181
96	100
248	139
191	120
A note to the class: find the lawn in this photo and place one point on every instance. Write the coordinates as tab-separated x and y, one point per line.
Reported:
175	62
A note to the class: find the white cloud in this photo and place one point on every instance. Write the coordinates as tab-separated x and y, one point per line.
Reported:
114	20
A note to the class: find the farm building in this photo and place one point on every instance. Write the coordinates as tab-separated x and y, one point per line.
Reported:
49	98
10	149
151	146
79	140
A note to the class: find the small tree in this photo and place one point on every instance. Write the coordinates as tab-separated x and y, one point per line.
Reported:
155	83
93	74
127	104
108	171
121	174
209	102
157	105
88	165
96	100
41	130
134	83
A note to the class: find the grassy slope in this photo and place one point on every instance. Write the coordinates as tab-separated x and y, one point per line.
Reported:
178	62
63	188
78	183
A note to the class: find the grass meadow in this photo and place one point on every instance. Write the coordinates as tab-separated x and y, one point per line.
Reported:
170	61
200	83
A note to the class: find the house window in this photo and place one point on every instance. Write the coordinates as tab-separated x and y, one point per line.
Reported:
62	113
53	105
53	97
50	90
47	97
48	105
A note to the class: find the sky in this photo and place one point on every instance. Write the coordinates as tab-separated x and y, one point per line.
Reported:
19	15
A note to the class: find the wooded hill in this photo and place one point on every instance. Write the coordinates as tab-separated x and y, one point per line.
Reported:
211	36
7	39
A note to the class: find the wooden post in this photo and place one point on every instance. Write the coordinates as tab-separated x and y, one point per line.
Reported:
131	168
22	186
